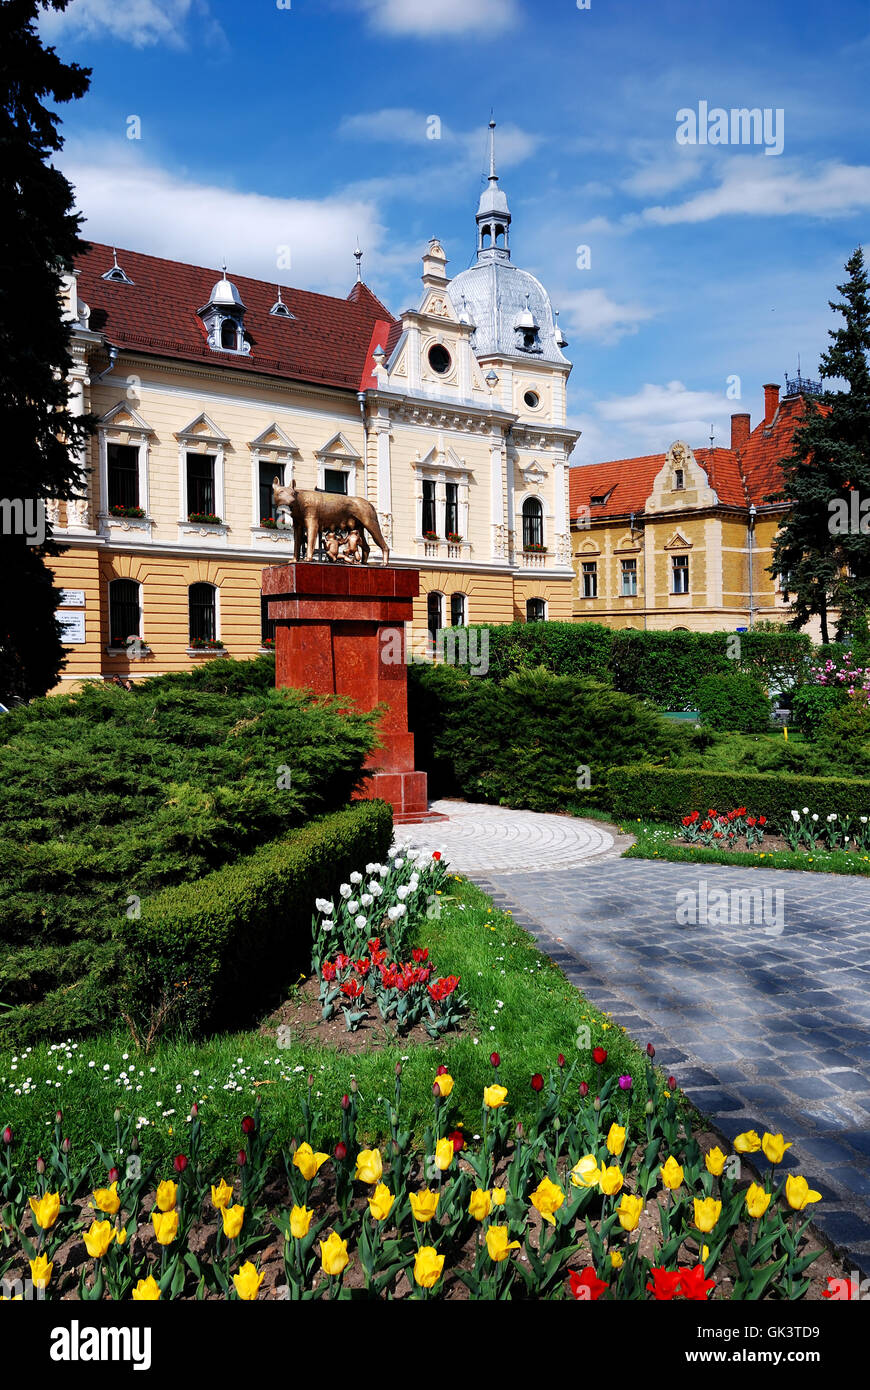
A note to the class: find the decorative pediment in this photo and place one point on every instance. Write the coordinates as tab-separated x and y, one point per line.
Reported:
338	447
437	304
202	430
630	541
273	440
589	547
449	461
678	542
534	473
123	417
681	483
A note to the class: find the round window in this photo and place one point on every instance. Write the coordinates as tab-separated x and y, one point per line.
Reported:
439	359
532	400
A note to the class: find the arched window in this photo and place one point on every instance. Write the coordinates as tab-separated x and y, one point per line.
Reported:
536	610
125	611
202	608
533	524
434	612
229	334
457	610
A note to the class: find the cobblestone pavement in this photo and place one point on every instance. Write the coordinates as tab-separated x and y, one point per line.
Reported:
480	839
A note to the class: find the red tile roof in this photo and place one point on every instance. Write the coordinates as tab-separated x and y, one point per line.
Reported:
328	340
738	476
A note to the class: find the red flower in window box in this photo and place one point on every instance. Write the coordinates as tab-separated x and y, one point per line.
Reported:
430	535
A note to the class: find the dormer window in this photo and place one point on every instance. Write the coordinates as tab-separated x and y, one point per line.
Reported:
223	317
279	308
597	501
116	274
230	335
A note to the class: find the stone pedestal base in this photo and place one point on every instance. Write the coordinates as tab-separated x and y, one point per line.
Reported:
339	630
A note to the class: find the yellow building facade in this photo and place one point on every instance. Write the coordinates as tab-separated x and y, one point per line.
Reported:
451	420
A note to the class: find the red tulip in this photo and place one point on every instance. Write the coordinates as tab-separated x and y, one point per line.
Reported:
495	1059
561	1059
672	1083
436	854
583	1088
650	1050
241	1158
586	1286
7	1135
113	1175
179	1163
345	1102
457	1140
340	1151
599	1055
248	1125
537	1081
40	1165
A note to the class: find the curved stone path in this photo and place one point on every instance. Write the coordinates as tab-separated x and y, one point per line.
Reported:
479	839
765	1023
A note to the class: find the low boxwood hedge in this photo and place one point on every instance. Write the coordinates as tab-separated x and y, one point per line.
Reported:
217	952
667	793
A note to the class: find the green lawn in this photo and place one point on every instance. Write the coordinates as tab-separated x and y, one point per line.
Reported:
523	1007
655	840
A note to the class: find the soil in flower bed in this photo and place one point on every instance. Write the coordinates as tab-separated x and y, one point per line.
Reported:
303	1014
268	1254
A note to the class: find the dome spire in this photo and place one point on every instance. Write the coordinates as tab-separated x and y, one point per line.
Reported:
493	214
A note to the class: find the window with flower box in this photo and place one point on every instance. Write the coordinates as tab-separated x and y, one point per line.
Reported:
533	524
202	612
122	471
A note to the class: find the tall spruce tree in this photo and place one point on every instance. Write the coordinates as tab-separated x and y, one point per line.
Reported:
821	552
38	243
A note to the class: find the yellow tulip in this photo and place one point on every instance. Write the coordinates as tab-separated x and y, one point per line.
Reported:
499	1196
494	1096
45	1209
757	1200
629	1211
248	1281
221	1196
165	1226
146	1291
671	1174
98	1239
547	1199
167	1196
121	1236
611	1181
444	1153
381	1203
428	1265
616	1260
707	1213
498	1245
586	1172
369	1166
40	1271
799	1194
715	1162
333	1254
774	1147
748	1143
300	1221
616	1140
480	1204
106	1199
308	1162
233	1217
444	1084
424	1204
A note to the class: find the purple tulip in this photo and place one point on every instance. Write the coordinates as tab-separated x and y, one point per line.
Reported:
625	1083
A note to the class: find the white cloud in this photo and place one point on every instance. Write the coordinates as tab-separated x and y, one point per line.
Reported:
147	208
649	421
402	125
423	18
761	187
142	23
593	314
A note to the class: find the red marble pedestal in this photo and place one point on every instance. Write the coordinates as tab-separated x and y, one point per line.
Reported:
339	630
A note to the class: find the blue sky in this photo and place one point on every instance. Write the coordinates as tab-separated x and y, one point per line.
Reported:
305	125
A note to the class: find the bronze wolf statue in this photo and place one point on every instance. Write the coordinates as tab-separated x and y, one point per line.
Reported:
313	512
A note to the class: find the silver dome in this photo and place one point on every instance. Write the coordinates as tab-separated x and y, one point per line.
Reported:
501	299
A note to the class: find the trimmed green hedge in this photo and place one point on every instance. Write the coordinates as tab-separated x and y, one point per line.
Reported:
663	667
658	793
733	703
217	952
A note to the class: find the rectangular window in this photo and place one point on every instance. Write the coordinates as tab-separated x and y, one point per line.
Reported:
200	483
590	579
428	520
123	475
629	578
678	479
267	624
457	609
334	480
451	515
681	574
268	471
202	613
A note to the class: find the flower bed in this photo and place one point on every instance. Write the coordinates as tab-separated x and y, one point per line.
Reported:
806	830
724	829
601	1207
359	973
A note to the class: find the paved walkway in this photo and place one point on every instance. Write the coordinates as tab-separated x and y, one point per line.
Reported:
763	1018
